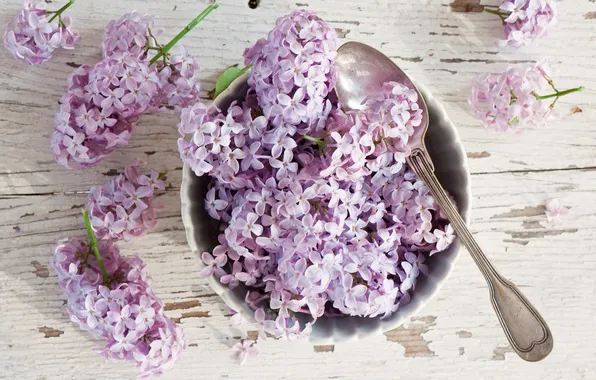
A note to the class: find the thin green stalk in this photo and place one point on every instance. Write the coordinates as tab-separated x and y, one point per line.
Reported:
59	11
503	16
93	241
558	94
315	140
164	51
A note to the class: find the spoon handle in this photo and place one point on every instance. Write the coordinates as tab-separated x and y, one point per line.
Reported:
525	329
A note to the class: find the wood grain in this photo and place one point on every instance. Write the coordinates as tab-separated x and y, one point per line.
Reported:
459	336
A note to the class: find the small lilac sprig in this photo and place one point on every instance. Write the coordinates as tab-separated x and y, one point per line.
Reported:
104	101
137	35
31	36
525	20
111	297
122	208
293	70
511	100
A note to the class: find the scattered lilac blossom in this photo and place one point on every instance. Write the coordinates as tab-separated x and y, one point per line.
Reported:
124	311
244	350
136	34
525	20
510	100
103	102
122	207
100	109
555	212
35	33
292	70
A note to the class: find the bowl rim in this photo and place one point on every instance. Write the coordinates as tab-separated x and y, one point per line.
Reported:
247	313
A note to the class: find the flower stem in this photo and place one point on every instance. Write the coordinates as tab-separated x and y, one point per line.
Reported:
59	11
188	28
315	140
502	15
93	241
558	94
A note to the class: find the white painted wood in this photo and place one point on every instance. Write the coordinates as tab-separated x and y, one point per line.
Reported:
455	336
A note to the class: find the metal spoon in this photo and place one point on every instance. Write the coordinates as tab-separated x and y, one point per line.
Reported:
362	70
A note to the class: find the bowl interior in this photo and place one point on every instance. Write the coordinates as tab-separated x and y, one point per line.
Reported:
450	163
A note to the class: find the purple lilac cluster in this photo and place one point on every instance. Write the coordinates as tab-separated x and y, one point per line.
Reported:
526	20
510	100
35	33
122	208
124	311
103	102
137	34
305	242
292	70
101	107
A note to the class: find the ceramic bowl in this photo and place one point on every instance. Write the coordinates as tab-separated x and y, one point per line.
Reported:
451	168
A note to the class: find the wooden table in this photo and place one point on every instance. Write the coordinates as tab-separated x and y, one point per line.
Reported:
456	336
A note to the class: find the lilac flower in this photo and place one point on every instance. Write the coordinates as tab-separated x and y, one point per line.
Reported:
129	316
525	20
32	37
279	75
510	100
212	263
245	350
122	208
555	212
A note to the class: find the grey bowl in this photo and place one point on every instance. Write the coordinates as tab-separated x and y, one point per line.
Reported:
451	168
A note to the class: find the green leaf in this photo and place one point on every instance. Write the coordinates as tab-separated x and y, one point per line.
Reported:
226	78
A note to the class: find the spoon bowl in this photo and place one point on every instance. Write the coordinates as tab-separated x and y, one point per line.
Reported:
362	71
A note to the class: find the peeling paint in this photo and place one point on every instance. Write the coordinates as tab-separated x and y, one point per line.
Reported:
590	16
344	22
461	351
26	215
487	61
478	154
526	211
328	348
111	173
411	337
410	59
499	352
518	242
181	305
50	332
76	206
575	110
540	234
518	162
531	224
252	335
40	269
466	6
73	65
342	33
464	334
193	345
192	314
